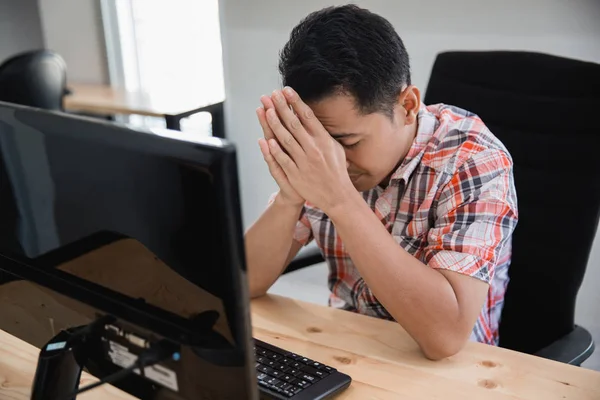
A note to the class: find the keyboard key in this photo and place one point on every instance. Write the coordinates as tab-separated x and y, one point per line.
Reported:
295	372
302	384
268	371
261	359
273	381
309	378
287	361
275	356
321	374
287	378
315	364
262	368
308	370
287	390
277	374
262	376
327	369
264	383
284	368
286	386
295	390
296	365
270	363
262	352
294	356
306	360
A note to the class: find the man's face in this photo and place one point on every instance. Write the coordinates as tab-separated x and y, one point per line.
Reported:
375	144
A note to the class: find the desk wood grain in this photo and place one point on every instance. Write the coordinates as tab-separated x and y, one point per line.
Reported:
385	363
383	360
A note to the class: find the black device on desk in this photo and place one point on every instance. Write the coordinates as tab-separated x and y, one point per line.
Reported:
135	238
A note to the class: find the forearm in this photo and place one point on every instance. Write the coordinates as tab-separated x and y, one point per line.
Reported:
268	243
420	298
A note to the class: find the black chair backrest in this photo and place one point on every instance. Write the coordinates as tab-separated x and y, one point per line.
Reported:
35	79
544	109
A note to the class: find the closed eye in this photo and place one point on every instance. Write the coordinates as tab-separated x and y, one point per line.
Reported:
351	145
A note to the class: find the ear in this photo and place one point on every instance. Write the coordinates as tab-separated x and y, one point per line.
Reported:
410	100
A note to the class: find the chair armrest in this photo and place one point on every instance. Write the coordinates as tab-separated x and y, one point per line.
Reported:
305	258
573	348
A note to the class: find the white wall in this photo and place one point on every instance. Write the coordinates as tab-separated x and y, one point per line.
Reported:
73	28
254	32
20	27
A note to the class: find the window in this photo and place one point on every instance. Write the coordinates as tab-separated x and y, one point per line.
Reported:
168	49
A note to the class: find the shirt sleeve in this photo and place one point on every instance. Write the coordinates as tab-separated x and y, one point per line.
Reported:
475	217
303	232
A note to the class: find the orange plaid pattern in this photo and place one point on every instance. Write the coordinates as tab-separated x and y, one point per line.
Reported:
451	204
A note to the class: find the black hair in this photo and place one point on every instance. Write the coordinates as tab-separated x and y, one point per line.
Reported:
346	49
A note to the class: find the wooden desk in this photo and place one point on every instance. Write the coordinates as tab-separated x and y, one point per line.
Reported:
383	360
105	100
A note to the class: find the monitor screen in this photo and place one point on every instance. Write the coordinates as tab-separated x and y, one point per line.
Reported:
150	217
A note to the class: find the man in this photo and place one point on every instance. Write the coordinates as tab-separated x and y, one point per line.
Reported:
413	207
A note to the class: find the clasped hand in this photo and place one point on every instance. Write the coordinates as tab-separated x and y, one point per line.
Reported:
305	161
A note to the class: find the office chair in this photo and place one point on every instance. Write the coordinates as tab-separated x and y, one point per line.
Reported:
35	79
541	107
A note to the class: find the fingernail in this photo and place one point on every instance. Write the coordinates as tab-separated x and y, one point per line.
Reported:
263	99
276	95
272	143
288	91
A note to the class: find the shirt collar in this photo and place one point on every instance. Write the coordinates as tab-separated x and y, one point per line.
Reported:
426	126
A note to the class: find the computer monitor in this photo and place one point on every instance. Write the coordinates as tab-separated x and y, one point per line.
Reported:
97	219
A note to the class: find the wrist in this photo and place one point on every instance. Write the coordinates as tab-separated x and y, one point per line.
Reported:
284	203
346	204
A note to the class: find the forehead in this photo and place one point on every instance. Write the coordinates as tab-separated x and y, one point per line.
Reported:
339	115
337	112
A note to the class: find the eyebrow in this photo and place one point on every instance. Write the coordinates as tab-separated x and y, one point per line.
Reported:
342	135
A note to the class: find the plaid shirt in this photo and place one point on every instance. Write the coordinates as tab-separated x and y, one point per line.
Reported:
451	204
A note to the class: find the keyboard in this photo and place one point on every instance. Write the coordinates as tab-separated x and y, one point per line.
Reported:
285	375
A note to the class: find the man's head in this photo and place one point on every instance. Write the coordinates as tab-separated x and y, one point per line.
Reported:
351	67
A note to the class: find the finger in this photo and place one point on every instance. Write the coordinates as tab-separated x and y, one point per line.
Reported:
289	120
285	162
274	168
264	148
267	102
304	112
262	119
284	137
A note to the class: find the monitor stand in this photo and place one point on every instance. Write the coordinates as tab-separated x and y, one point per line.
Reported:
61	361
59	368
